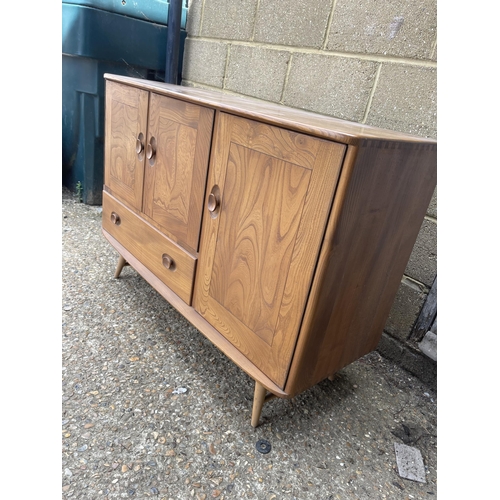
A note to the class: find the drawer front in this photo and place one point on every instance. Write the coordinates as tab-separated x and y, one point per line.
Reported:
167	260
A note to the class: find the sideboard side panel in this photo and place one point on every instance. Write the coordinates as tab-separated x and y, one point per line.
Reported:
383	195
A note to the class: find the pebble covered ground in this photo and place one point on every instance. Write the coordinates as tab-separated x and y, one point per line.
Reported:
151	409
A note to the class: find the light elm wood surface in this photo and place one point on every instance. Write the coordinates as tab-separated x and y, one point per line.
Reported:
150	246
257	258
174	185
276	114
382	198
126	115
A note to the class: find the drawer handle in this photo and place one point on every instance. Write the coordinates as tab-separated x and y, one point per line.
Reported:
168	262
151	151
213	202
139	145
115	218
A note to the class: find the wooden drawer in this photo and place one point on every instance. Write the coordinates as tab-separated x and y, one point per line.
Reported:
167	260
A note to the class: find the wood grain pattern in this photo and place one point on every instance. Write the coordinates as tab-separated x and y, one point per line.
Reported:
296	149
148	245
263	202
275	114
382	198
125	118
175	185
258	256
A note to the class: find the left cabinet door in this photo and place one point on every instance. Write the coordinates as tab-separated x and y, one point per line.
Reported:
126	131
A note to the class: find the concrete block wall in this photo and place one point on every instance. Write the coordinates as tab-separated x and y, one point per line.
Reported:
366	61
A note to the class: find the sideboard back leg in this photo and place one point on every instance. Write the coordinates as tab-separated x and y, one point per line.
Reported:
121	263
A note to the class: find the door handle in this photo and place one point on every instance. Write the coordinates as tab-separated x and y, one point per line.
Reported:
151	151
213	202
139	146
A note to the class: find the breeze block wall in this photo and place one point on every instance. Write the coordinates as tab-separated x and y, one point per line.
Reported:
368	61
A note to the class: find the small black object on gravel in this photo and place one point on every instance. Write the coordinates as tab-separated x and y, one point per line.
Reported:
263	446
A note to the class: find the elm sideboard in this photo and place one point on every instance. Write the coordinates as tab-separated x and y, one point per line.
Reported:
280	234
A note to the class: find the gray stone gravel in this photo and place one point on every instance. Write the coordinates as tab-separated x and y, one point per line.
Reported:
130	430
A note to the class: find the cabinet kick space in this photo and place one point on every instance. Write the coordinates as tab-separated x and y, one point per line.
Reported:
280	234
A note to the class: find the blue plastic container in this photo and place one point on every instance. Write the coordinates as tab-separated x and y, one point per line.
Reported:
104	36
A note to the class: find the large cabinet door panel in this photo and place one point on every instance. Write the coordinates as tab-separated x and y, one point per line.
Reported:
126	128
179	136
271	193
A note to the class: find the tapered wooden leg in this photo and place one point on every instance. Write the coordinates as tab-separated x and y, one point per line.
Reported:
259	397
332	377
121	263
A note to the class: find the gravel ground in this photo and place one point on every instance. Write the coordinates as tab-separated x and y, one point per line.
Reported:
151	409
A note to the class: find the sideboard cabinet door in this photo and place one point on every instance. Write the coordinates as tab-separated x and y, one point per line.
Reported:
177	152
126	130
269	195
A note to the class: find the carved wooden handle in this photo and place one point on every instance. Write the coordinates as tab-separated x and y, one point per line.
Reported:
139	144
151	150
168	262
115	218
213	202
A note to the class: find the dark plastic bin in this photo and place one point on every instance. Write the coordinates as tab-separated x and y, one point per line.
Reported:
94	42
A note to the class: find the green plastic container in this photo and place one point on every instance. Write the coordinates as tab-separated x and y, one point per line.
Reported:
104	36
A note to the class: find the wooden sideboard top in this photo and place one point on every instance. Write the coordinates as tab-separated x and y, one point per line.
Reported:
276	114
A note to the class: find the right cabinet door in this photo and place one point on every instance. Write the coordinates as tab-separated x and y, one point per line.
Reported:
269	195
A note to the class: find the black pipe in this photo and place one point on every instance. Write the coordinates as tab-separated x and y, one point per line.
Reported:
173	41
